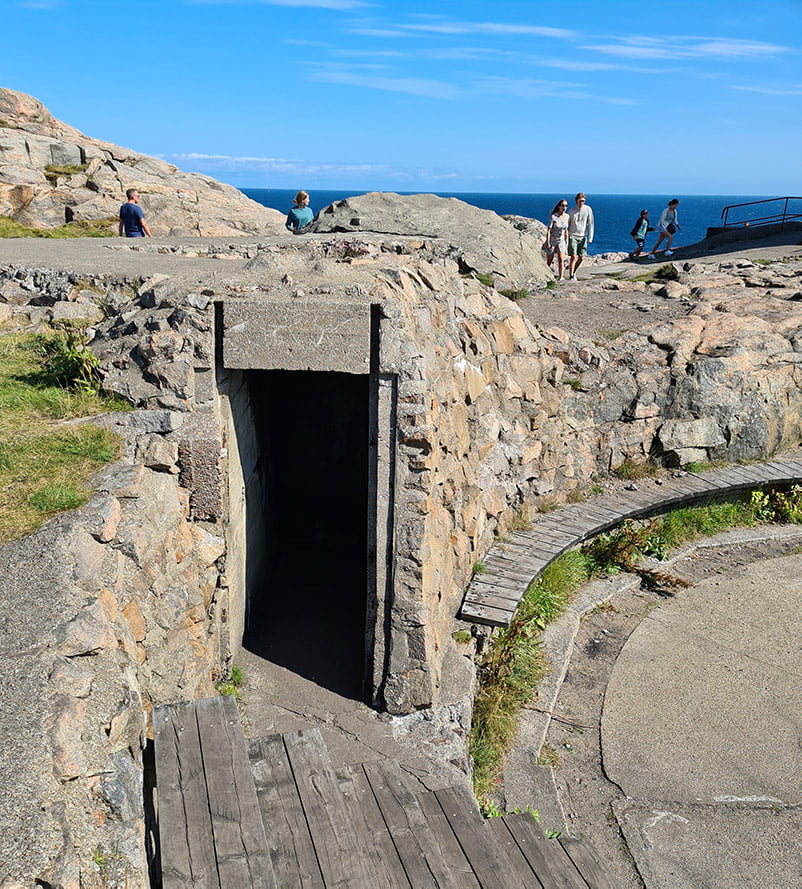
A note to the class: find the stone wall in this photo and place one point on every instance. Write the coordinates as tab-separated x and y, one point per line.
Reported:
106	611
143	599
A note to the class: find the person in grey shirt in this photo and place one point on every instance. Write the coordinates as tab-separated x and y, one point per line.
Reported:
580	233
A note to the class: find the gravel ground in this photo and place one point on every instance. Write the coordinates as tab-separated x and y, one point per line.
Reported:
605	302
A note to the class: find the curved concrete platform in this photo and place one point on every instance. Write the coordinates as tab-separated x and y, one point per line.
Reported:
700	728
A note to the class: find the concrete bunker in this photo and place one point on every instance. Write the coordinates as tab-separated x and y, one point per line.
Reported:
309	548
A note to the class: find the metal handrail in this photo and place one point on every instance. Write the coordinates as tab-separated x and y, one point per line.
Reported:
782	218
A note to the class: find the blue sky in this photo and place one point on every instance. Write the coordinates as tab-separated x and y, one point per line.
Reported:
687	96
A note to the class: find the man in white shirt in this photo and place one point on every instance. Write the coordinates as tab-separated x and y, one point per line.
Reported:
580	233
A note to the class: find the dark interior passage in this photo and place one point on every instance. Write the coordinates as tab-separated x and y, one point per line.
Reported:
307	612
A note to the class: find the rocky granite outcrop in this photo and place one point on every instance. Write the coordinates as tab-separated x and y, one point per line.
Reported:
50	173
105	611
487	243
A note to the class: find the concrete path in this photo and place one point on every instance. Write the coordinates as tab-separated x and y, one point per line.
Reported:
700	730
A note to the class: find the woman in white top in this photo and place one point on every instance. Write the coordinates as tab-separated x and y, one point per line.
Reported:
557	236
667	226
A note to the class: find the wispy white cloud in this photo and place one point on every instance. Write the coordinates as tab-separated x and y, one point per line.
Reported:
305	169
415	86
789	90
644	47
543	89
268	164
320	4
586	65
367	53
447	27
379	32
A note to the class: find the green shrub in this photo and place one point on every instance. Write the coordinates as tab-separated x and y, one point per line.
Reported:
68	359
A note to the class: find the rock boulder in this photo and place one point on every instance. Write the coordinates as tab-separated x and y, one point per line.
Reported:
483	241
50	173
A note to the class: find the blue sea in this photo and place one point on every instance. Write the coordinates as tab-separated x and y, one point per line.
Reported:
614	214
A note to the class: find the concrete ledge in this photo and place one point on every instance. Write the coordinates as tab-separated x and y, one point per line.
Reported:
296	335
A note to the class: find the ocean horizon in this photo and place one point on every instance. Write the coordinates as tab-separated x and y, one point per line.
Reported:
614	214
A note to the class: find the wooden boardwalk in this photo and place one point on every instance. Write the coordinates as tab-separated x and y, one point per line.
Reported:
294	820
511	567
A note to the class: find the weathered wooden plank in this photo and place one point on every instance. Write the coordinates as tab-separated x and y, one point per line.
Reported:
240	844
507	845
547	858
185	826
499	575
357	792
791	468
486	597
552	534
587	863
520	556
493	870
417	845
782	471
288	840
450	849
720	479
527	548
482	614
631	506
345	859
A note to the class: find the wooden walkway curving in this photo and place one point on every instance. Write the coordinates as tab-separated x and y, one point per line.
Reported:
512	566
294	820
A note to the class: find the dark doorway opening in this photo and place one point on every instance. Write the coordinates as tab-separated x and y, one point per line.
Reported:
307	611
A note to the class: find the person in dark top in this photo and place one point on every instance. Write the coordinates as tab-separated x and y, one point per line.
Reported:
638	233
132	218
300	215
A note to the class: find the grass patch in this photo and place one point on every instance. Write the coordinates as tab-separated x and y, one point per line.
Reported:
53	171
705	465
484	278
461	636
43	463
95	228
513	667
514	294
574	383
522	520
665	272
632	470
514	663
610	333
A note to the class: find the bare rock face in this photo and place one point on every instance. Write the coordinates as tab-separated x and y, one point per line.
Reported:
483	241
37	153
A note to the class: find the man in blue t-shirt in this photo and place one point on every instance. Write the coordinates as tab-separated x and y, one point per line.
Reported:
132	219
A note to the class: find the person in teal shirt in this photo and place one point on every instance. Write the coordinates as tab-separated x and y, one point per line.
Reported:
300	215
638	233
